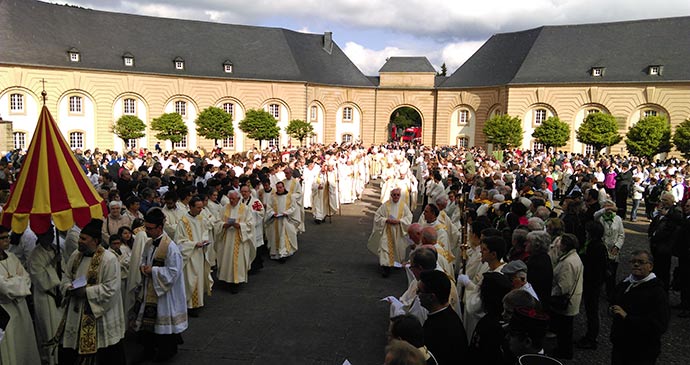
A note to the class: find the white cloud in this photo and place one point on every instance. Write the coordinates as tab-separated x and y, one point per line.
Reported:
455	54
370	61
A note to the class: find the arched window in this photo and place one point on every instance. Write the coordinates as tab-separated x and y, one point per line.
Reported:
274	142
131	143
181	108
75	104
649	113
589	149
129	106
314	114
19	140
537	146
76	140
347	138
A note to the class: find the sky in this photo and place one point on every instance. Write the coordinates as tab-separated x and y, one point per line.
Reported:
370	31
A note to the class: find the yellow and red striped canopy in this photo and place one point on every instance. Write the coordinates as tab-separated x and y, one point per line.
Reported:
51	185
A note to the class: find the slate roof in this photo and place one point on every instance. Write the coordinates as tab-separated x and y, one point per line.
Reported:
566	54
40	34
407	64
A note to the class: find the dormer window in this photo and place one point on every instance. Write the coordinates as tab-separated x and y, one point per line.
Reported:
654	70
128	59
179	63
227	66
597	71
73	55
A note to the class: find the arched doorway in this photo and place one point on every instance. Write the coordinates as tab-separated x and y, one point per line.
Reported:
405	125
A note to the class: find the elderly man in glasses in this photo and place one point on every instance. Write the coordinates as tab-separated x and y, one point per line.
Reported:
387	239
640	313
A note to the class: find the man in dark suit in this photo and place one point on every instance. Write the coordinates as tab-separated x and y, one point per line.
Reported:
623	183
444	333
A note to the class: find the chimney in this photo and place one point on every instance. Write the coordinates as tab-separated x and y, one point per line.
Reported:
328	42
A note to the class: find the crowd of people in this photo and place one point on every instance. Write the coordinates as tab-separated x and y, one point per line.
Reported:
506	248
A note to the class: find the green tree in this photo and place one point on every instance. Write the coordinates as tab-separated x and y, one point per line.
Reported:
214	123
504	131
169	126
552	133
649	137
406	117
299	129
444	70
260	125
129	127
599	130
681	138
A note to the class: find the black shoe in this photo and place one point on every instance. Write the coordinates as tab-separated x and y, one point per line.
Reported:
193	312
385	271
317	221
282	260
234	288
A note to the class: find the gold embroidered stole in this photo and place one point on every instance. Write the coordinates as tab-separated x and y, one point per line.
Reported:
288	203
389	232
148	321
237	238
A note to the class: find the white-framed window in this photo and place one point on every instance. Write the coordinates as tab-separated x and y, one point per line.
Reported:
654	70
537	146
597	71
16	103
463	142
347	138
314	112
274	142
75	104
76	140
179	65
181	108
131	143
649	113
592	111
227	68
181	144
129	61
129	106
313	139
463	117
347	114
74	56
228	142
229	108
274	109
539	116
589	149
19	140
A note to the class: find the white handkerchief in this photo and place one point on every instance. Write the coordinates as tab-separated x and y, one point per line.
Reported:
397	264
79	282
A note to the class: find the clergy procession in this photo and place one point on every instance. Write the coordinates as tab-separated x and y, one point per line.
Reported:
499	250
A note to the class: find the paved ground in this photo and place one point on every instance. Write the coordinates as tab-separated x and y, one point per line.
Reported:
321	307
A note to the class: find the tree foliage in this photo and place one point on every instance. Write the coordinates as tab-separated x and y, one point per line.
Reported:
406	117
444	70
552	133
260	125
599	130
504	131
214	123
681	138
129	127
650	136
169	126
299	129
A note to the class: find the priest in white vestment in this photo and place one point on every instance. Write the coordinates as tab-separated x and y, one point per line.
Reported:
160	314
173	212
235	243
294	188
193	237
387	239
324	194
18	346
282	220
95	322
311	171
43	266
430	215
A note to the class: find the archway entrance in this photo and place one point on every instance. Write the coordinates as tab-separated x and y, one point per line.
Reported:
405	125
